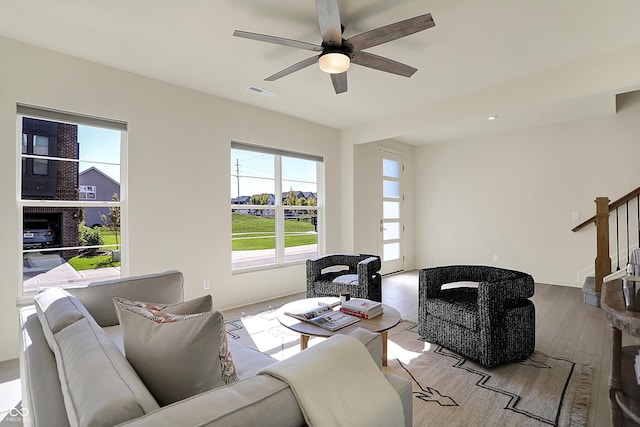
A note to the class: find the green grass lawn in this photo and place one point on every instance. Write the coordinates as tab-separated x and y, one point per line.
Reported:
87	262
252	233
248	233
91	262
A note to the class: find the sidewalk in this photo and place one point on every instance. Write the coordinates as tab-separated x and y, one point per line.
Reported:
244	259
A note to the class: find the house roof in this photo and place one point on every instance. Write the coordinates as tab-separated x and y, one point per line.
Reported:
530	62
98	171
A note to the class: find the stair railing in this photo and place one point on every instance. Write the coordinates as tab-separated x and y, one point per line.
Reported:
601	220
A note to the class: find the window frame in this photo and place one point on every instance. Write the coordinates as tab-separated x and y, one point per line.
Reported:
33	112
278	206
87	189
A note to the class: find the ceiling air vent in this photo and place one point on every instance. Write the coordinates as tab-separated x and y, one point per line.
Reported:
261	91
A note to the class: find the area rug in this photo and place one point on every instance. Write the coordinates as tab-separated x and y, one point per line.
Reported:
450	390
454	391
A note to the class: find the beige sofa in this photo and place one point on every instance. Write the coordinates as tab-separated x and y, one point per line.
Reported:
86	380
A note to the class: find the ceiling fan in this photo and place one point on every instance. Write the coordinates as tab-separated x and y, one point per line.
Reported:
336	53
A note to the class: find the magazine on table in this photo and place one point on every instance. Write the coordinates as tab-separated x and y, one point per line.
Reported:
309	313
334	320
325	317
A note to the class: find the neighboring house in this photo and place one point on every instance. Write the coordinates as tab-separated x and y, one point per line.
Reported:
246	200
93	184
44	179
242	200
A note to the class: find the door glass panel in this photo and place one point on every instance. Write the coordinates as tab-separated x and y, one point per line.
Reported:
391	210
391	231
391	251
390	168
391	189
391	226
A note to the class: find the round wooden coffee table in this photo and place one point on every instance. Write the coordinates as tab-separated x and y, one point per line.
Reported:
382	323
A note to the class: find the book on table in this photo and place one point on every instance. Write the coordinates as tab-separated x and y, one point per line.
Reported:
361	307
325	317
360	314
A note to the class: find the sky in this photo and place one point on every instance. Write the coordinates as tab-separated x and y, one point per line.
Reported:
100	145
256	172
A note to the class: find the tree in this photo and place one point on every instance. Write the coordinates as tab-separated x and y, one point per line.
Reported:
113	221
260	199
292	198
89	237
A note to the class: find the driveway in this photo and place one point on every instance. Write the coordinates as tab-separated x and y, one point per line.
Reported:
44	269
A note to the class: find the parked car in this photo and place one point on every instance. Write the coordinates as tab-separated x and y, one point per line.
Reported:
37	233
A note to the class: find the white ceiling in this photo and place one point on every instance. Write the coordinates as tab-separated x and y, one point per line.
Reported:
530	62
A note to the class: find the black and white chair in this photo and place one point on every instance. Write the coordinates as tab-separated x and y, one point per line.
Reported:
358	274
492	324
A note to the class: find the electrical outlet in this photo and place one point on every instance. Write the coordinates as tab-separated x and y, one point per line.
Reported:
496	258
575	216
207	284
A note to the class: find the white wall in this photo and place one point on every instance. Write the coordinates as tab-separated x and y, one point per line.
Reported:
513	194
368	193
178	174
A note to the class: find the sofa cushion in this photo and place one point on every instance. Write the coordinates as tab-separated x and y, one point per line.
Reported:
99	387
56	310
165	287
176	355
39	381
347	279
248	360
458	306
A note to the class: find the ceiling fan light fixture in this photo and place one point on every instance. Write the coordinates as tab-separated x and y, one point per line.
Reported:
334	62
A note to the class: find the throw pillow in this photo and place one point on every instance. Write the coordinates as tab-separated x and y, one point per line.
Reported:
176	355
196	305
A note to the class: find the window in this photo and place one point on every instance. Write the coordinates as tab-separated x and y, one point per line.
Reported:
87	192
274	206
69	227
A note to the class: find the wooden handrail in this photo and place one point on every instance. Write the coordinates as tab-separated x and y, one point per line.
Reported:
621	201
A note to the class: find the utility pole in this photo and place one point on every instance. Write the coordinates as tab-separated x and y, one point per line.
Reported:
238	178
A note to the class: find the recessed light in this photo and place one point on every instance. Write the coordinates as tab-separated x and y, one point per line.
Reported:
492	117
261	91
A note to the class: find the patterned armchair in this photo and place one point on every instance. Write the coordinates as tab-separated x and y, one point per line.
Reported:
359	275
492	324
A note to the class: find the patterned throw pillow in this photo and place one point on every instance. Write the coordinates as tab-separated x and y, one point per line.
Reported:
173	347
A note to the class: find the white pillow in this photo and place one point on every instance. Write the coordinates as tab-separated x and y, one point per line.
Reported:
178	350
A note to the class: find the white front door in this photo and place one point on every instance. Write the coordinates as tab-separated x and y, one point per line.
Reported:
391	223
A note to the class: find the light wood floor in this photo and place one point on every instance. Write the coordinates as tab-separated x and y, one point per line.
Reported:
565	326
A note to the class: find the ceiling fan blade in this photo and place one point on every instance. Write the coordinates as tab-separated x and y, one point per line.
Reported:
381	63
278	40
391	32
329	20
339	82
292	69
